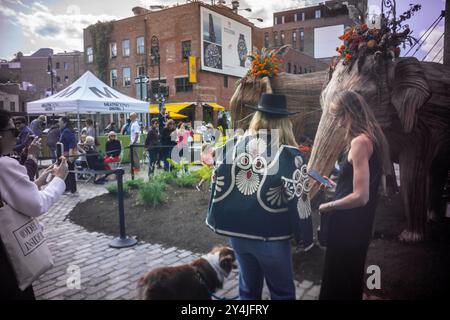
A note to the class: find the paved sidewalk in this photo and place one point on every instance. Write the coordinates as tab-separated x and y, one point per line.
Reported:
107	273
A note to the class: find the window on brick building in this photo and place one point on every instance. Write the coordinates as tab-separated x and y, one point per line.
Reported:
154	56
2	105
66	79
295	69
275	39
126	48
12	106
183	85
113	78
164	87
140	71
225	81
57	65
140	45
275	20
289	67
66	66
282	19
185	49
302	39
266	40
126	77
303	16
294	39
90	54
318	14
113	50
282	37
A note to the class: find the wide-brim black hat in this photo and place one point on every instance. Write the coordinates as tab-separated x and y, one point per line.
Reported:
274	104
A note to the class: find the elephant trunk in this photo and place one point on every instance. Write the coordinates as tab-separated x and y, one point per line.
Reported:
328	145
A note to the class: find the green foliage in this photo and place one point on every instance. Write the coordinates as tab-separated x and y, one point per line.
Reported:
205	172
112	188
134	184
152	193
188	179
179	166
101	37
165	177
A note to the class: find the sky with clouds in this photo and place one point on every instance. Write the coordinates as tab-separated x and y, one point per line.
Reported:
27	25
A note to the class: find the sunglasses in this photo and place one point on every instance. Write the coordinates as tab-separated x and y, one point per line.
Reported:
14	131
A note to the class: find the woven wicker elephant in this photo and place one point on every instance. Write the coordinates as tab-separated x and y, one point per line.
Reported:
411	101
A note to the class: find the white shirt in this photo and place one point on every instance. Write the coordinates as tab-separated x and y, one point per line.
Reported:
135	128
23	195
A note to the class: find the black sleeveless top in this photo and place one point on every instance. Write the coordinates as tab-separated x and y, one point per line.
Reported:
345	182
355	223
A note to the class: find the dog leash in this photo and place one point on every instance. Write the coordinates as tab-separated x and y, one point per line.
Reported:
211	294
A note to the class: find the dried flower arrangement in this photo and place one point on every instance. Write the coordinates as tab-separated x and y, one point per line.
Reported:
264	64
360	40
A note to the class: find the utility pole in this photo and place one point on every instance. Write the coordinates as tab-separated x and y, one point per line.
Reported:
447	33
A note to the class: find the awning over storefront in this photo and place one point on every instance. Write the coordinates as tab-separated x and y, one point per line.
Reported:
215	106
171	107
174	115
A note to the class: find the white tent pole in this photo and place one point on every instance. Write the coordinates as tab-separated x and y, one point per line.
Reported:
78	121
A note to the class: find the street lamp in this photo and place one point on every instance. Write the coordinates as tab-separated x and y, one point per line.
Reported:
156	57
50	71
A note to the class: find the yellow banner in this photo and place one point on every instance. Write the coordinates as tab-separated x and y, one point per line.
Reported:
192	69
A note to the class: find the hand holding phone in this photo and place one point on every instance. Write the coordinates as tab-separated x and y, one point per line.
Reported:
316	176
59	152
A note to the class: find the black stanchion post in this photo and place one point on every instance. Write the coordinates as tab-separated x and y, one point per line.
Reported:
132	161
122	241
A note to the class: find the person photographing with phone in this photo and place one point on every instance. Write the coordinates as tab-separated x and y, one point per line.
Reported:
350	215
22	196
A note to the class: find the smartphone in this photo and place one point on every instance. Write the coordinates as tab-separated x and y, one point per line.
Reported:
59	152
30	139
316	176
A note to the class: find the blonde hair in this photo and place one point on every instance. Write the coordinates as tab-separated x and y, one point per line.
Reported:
261	120
362	121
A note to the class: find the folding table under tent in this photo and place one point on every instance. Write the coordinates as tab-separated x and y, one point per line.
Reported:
87	95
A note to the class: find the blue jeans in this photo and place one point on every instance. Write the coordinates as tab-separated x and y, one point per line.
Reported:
259	260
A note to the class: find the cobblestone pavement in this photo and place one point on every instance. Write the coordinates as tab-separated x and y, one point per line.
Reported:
107	273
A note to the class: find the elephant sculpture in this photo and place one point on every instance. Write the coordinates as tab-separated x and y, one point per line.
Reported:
411	102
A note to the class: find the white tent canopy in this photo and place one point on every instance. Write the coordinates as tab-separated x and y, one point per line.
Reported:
87	95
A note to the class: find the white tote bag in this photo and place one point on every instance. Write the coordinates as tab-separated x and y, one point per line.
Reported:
24	243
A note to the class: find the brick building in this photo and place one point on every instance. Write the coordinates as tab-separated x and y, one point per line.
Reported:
28	77
9	98
179	31
67	67
303	27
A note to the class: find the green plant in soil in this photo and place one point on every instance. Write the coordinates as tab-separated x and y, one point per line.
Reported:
189	179
112	188
165	176
135	184
152	193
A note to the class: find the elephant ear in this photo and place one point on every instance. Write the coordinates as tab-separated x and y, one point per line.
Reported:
411	91
266	87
